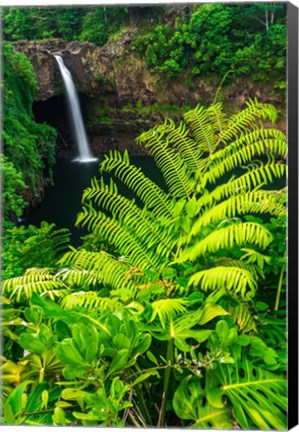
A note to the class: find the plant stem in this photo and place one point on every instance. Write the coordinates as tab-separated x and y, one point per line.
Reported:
132	417
169	358
144	407
279	289
45	410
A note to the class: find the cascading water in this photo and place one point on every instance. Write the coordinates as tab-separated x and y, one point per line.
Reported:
80	136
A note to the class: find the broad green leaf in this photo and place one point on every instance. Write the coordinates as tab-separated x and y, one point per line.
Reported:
152	358
15	398
68	354
222	329
215	397
189	404
211	311
243	340
72	393
258	396
144	376
59	417
31	343
85	416
119	361
261	306
8	414
143	345
121	341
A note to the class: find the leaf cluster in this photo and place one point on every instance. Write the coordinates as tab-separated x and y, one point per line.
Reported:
169	327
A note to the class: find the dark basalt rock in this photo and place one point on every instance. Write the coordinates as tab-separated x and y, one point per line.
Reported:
113	76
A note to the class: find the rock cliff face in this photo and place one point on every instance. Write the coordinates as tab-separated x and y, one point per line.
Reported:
120	97
114	68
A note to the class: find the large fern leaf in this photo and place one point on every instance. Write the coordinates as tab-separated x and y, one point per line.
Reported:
246	120
35	280
249	138
234	279
89	300
228	237
216	116
203	130
100	266
187	147
252	202
255	178
174	170
122	209
243	156
149	193
123	239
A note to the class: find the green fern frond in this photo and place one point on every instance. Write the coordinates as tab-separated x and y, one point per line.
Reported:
230	262
216	116
174	170
116	234
79	278
89	300
228	237
243	318
232	279
55	295
252	202
122	209
245	120
101	266
187	147
153	197
246	139
254	179
167	309
34	281
202	129
57	239
243	156
255	257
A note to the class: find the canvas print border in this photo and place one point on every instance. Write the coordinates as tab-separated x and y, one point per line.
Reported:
143	325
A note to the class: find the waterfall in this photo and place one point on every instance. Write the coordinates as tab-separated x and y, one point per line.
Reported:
80	136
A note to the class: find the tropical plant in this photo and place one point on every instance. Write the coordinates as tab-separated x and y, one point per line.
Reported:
29	146
22	247
217	39
169	315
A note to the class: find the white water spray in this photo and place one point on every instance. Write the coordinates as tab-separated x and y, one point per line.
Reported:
80	136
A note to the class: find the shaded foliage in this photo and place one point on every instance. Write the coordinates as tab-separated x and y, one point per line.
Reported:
220	38
29	147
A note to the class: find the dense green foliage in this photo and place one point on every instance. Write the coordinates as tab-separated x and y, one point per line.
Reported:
170	326
208	39
28	146
22	247
39	23
68	23
172	312
248	40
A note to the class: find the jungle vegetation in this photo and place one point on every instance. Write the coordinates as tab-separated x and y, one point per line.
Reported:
172	311
208	39
168	327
